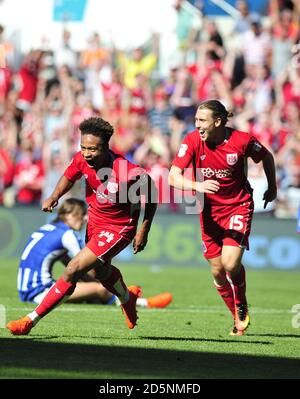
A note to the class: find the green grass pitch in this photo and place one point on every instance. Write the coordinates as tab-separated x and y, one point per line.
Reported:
188	340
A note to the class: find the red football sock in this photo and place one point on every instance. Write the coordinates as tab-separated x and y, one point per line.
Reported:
226	292
115	284
55	295
239	286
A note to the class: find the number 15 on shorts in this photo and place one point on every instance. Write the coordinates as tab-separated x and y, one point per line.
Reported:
236	222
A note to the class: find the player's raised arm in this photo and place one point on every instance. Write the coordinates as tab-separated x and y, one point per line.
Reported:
270	171
62	187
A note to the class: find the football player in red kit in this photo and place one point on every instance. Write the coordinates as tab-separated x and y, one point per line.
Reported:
113	189
217	154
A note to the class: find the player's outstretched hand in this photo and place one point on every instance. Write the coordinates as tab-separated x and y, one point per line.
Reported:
269	195
208	186
140	241
48	204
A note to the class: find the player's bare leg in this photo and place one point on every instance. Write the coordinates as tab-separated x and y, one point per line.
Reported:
231	260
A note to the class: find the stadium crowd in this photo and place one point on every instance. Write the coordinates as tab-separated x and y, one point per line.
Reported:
254	71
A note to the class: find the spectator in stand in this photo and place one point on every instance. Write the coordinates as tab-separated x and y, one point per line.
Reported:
55	154
256	44
65	55
5	82
97	77
188	25
27	80
183	99
257	93
243	23
6	172
288	85
28	175
159	115
94	52
8	124
288	160
282	44
139	97
7	51
262	130
139	62
285	16
214	45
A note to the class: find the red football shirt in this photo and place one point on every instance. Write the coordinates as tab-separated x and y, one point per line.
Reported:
224	163
111	193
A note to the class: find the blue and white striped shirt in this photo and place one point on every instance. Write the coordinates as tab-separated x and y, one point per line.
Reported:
45	246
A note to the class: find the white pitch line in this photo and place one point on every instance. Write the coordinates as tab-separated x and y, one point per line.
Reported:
190	309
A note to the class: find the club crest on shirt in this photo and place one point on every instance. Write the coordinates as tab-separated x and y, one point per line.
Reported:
182	150
112	187
232	159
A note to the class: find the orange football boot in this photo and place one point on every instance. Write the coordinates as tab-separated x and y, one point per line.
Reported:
160	301
129	308
242	318
21	326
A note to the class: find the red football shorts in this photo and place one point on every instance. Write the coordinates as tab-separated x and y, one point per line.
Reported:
225	225
104	242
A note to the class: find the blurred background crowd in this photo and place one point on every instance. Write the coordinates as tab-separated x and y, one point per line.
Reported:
254	69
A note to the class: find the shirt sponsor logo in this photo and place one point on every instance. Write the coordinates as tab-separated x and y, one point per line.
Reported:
232	159
182	150
219	173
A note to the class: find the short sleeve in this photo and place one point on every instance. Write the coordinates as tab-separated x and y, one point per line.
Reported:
71	242
73	172
255	150
184	156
